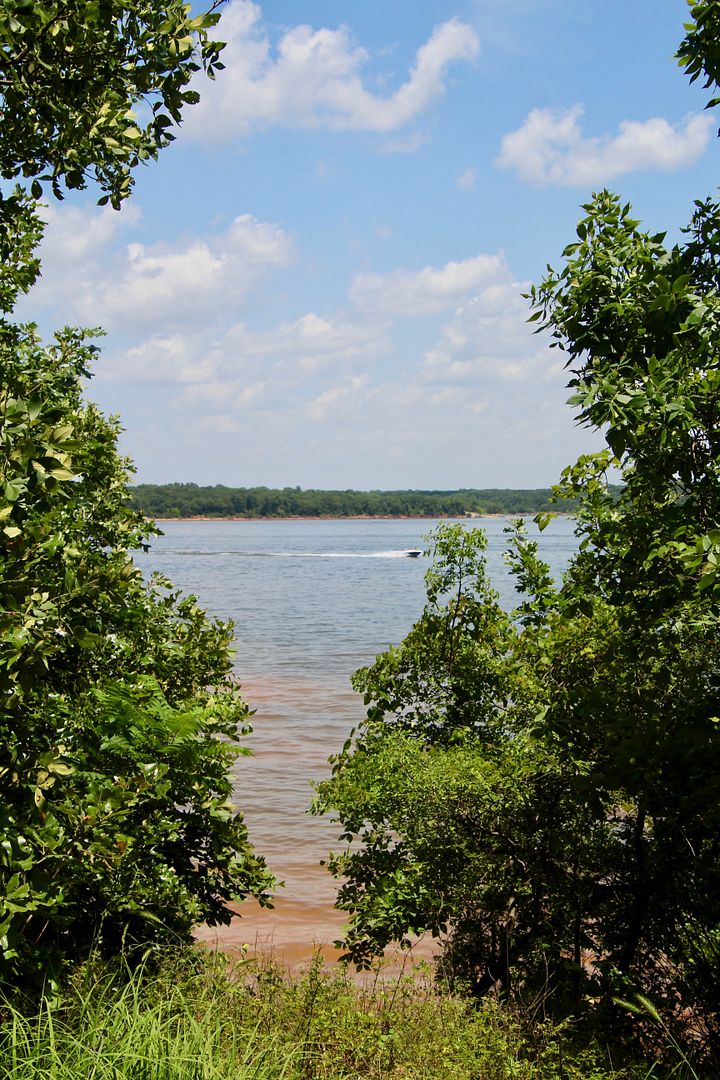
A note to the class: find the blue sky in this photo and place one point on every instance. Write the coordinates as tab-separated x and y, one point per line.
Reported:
320	283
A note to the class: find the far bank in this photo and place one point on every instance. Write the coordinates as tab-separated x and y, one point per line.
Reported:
194	502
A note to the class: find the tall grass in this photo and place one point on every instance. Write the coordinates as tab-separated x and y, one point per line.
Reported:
193	1019
146	1028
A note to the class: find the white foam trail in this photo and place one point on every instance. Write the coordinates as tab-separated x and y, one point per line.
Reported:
299	554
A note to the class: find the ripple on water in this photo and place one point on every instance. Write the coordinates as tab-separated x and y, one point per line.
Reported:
312	601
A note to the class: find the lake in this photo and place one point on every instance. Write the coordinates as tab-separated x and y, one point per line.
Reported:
312	601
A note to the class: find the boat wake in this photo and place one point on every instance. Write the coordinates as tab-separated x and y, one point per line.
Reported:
402	554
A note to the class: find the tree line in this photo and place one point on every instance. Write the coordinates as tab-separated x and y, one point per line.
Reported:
191	500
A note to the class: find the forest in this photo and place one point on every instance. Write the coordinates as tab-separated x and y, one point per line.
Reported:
191	500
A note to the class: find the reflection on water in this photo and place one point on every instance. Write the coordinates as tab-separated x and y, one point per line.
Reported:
332	596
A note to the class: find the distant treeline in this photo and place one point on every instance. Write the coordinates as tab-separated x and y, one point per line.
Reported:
190	500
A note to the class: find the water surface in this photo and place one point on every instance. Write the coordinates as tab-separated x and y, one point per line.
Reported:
312	601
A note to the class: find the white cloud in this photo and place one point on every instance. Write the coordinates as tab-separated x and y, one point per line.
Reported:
308	343
353	387
164	282
77	240
152	286
215	425
223	393
313	78
467	180
549	147
417	368
337	398
232	367
79	234
425	291
488	342
162	359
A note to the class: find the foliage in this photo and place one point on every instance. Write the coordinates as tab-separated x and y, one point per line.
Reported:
641	321
699	51
195	1018
190	500
91	89
548	789
119	715
449	791
20	233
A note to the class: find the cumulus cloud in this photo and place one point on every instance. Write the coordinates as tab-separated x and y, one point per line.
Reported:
163	359
77	240
223	393
81	234
550	148
351	384
159	282
426	291
308	344
153	285
416	367
314	78
488	341
404	144
232	367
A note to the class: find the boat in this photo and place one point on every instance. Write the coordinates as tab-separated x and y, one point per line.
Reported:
413	554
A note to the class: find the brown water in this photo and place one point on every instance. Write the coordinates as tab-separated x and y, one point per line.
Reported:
274	787
312	602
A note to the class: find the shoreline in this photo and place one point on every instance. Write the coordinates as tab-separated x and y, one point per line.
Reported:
362	517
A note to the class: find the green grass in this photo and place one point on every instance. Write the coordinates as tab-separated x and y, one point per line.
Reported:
192	1020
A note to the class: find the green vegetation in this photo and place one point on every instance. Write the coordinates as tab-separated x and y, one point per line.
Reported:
190	1021
120	719
72	73
189	500
542	790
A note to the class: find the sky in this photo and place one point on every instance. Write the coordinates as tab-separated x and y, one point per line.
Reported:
320	283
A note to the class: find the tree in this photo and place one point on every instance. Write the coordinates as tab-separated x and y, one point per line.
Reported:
120	716
546	788
639	322
446	791
546	791
78	79
699	51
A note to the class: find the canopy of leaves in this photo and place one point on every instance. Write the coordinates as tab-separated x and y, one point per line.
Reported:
91	88
699	52
639	323
120	718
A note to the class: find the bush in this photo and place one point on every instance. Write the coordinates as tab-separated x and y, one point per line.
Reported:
120	717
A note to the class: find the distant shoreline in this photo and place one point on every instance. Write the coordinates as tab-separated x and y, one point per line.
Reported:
189	502
363	517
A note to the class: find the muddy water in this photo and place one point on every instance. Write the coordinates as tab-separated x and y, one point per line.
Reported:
312	601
